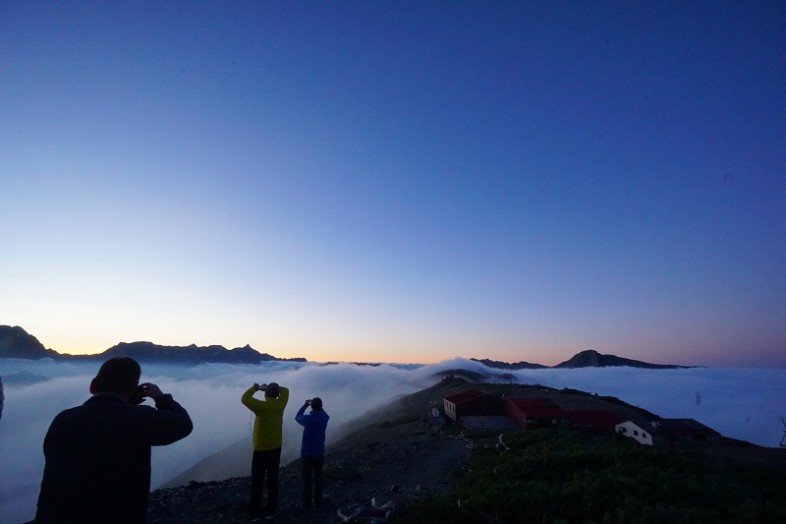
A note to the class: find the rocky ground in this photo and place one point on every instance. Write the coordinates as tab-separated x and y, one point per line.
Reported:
392	456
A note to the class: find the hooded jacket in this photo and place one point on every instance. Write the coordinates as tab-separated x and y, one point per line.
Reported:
314	424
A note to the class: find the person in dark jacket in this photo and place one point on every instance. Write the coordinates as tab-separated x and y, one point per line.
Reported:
312	449
97	467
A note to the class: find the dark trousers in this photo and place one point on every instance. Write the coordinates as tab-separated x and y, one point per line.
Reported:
265	463
311	468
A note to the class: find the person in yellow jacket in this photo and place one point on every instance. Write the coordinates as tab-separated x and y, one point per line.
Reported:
267	444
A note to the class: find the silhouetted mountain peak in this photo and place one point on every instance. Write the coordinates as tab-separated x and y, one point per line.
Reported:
592	359
15	342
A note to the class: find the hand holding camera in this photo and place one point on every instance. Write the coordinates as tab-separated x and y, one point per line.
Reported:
146	389
152	390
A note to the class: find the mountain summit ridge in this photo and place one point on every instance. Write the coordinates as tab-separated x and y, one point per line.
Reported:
15	342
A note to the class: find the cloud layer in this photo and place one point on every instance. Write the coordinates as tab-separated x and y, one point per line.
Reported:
740	403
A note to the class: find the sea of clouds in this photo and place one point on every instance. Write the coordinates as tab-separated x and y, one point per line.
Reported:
743	403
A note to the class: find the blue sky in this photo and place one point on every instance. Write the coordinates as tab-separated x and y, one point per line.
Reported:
397	181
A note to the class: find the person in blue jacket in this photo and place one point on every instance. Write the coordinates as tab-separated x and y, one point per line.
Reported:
312	449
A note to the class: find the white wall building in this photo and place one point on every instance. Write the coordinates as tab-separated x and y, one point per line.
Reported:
636	432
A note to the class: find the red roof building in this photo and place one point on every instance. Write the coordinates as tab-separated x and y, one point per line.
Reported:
472	403
532	413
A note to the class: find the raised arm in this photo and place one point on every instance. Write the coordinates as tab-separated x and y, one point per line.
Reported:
168	422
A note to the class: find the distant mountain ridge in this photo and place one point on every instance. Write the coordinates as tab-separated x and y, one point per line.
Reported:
584	359
193	354
15	342
505	365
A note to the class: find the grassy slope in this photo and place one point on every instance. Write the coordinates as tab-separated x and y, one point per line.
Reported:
564	477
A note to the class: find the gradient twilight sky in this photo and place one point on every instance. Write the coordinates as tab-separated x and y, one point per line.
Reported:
397	181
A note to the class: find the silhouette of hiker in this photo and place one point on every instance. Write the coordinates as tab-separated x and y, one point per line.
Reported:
97	467
267	444
312	449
